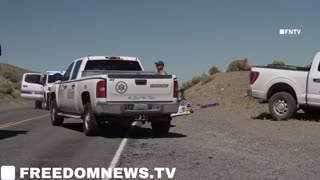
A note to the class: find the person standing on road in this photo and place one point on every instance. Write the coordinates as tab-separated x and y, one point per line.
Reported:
160	68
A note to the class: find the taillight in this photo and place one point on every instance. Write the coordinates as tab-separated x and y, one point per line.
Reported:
175	89
253	77
101	89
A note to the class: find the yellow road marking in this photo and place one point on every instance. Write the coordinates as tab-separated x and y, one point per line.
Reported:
22	121
6	124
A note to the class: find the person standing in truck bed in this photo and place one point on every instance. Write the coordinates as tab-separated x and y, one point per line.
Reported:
160	68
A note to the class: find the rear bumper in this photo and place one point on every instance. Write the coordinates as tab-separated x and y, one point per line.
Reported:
120	109
256	94
36	97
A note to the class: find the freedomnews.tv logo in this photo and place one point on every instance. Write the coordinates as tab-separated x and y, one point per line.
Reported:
12	173
289	31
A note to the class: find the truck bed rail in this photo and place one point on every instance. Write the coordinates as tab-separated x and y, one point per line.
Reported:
86	73
285	67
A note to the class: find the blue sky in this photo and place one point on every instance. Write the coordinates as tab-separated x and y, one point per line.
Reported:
190	36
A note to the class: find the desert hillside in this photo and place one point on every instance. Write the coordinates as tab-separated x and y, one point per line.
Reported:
10	81
228	89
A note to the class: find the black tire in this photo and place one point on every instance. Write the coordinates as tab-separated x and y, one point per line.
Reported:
91	124
282	106
56	120
161	127
38	105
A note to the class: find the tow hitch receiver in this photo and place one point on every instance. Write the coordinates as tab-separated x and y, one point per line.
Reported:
141	117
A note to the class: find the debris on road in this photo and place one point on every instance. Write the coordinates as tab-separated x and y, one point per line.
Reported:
209	105
186	109
201	106
183	110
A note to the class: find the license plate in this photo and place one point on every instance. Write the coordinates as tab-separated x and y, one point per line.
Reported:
140	107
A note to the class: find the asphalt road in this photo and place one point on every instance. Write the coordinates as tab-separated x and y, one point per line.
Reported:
27	139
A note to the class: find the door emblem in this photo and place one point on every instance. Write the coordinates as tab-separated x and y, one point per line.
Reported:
121	87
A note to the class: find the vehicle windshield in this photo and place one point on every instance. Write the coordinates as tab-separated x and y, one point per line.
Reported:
119	65
53	78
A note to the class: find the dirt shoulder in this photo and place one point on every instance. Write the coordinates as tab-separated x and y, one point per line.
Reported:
9	101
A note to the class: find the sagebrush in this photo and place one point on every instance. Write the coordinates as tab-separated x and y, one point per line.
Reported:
239	65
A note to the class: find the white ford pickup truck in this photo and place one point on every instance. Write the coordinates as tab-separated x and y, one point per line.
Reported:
287	88
109	89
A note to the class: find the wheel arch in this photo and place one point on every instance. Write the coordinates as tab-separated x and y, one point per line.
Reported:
85	97
281	87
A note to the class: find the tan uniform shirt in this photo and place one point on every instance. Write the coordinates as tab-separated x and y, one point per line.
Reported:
161	73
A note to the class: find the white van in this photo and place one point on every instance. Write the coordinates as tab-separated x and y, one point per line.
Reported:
32	88
37	86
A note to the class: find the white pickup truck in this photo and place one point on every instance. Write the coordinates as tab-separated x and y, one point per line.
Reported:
287	88
99	89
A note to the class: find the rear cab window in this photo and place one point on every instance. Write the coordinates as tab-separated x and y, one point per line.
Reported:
33	78
119	65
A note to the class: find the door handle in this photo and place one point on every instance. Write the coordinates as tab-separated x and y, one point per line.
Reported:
64	86
316	80
72	86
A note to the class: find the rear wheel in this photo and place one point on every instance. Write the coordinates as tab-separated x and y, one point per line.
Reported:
91	125
282	106
161	127
35	104
56	120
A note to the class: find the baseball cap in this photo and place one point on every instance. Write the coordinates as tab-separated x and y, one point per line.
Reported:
159	63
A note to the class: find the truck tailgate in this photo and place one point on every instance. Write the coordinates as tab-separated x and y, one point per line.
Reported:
140	88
